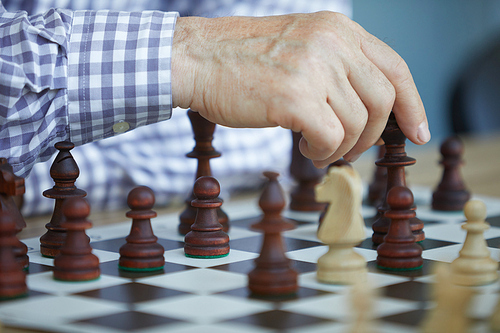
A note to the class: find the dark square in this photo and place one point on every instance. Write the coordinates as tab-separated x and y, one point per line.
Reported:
247	265
131	293
412	318
301	293
425	270
428	243
245	223
281	320
113	245
37	268
493	242
129	321
494	221
111	268
254	244
410	290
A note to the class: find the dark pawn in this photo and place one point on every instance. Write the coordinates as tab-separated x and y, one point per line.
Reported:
451	194
378	186
206	239
11	187
203	151
306	176
75	261
64	171
12	276
395	160
142	251
337	163
399	251
273	274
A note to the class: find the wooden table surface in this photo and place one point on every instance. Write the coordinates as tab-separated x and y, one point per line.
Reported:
481	173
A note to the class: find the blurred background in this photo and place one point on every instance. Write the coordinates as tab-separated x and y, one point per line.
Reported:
453	50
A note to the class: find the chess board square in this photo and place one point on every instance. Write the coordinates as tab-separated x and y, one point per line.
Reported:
338	307
111	268
280	320
312	254
246	266
129	321
410	290
254	244
38	268
50	309
494	221
454	233
302	293
201	281
45	282
410	318
204	309
377	281
450	253
113	245
131	293
301	218
178	257
425	270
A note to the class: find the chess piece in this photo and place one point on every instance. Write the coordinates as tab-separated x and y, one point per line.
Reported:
342	227
203	151
474	266
142	251
399	250
12	276
337	163
273	275
64	171
452	301
451	194
395	160
206	239
12	186
306	176
75	262
363	297
378	186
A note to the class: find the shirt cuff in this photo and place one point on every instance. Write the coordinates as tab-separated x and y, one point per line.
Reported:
119	75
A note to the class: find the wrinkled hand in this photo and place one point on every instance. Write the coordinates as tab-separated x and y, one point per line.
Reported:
320	74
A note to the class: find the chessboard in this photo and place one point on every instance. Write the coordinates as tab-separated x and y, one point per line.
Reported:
211	295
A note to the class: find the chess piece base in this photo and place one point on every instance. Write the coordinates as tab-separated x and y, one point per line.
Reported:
474	271
341	265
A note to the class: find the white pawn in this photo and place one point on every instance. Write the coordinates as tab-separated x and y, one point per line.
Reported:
452	302
363	297
474	266
342	227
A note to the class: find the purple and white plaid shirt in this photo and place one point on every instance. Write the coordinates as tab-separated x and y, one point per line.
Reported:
96	71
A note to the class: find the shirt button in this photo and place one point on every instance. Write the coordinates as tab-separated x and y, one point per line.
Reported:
121	127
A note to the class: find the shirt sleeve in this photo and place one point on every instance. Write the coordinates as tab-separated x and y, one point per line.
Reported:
79	75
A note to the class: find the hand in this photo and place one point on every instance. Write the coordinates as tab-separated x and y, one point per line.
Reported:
320	74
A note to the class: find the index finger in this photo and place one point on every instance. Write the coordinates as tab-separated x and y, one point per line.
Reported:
408	107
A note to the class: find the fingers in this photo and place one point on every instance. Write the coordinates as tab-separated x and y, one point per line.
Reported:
378	95
408	107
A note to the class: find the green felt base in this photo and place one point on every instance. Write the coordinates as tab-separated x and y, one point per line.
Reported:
77	281
13	297
206	257
149	269
399	269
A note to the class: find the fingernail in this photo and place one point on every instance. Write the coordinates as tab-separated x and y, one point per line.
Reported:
423	134
353	158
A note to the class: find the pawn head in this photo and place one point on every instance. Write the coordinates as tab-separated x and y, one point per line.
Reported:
206	188
475	211
400	198
141	198
452	146
76	208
